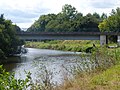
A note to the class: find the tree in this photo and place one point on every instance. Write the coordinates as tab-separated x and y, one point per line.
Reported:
16	28
40	24
96	15
112	23
8	38
88	23
103	16
69	12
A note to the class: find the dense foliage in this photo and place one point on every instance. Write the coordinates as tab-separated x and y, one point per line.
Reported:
112	23
8	39
9	82
68	20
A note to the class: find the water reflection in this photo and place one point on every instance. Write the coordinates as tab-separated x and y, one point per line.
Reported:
11	63
37	60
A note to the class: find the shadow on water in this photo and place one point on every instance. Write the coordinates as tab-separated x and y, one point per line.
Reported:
12	62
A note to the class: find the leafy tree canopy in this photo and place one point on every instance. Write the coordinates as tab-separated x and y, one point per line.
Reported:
8	39
68	20
112	23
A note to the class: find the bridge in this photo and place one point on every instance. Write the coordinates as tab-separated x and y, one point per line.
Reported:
102	36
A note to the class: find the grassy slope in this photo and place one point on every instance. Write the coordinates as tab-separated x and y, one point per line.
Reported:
67	45
106	80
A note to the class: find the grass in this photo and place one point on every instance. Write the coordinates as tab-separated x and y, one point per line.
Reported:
106	80
104	77
66	45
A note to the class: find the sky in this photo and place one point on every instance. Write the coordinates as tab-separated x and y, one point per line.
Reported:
25	12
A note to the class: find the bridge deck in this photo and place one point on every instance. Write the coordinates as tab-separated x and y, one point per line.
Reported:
68	33
64	35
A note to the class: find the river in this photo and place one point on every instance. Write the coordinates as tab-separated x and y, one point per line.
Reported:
37	61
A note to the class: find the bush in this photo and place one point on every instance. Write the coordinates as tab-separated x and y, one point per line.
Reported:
9	82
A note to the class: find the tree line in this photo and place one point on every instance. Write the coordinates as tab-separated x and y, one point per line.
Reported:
70	20
8	39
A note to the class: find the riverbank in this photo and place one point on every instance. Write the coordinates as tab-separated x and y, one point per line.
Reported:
66	45
99	80
104	77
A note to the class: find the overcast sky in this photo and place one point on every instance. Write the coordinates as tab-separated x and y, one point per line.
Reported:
25	12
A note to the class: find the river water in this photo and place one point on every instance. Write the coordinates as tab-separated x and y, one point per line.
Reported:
42	62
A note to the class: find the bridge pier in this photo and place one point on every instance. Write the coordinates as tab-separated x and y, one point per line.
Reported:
103	40
118	40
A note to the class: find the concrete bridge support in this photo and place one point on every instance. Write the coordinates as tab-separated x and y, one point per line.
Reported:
118	40
103	40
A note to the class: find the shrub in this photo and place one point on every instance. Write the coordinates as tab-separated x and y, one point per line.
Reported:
9	82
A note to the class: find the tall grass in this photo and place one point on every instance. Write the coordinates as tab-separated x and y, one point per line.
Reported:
100	72
66	45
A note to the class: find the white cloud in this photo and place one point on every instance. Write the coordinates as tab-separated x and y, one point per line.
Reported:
24	12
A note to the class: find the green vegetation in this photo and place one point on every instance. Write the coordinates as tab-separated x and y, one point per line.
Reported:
8	81
105	75
66	45
112	23
68	20
109	79
106	80
8	39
